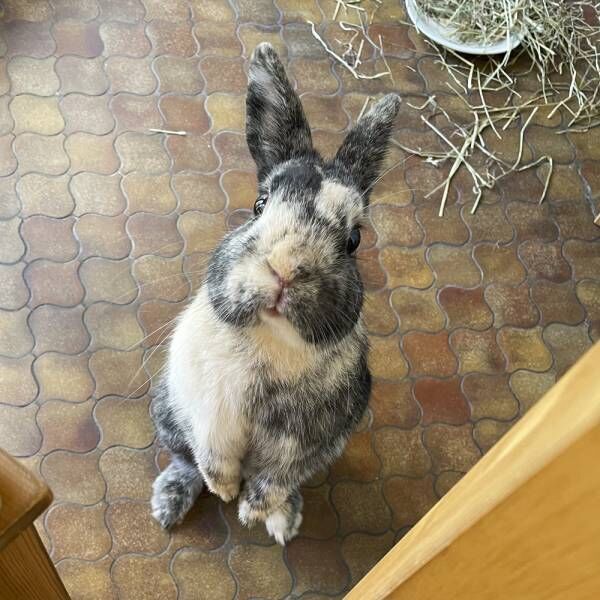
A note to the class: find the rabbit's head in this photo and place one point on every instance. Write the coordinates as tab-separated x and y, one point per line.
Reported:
292	267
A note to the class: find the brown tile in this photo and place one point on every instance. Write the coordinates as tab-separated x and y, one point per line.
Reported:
136	113
6	120
160	278
557	302
257	11
453	266
199	192
128	473
86	580
566	184
429	354
524	349
202	575
76	37
49	238
240	187
396	225
40	194
158	319
211	10
325	112
449	229
487	432
24	440
223	75
445	481
10	206
149	193
17	385
96	193
171	38
465	308
451	448
41	153
362	551
192	152
361	507
83	75
126	11
401	452
12	247
201	231
140	152
92	153
251	35
36	114
300	41
567	344
529	387
67	426
29	39
327	142
545	261
406	267
133	529
13	291
184	114
110	280
588	293
8	162
499	264
16	337
369	267
409	499
53	283
102	236
85	10
417	309
174	11
317	565
319	519
377	313
65	524
118	372
313	75
532	221
477	351
73	477
442	401
58	329
33	76
127	74
575	220
233	150
512	305
154	234
123	421
489	224
260	571
178	75
63	377
144	576
386	359
113	326
227	112
358	462
124	39
393	404
86	113
217	39
584	257
490	397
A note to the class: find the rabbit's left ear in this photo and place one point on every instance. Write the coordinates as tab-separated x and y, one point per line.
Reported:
276	128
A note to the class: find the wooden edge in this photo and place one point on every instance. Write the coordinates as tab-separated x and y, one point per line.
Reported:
567	411
38	498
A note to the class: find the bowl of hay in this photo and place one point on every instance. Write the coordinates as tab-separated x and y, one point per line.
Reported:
481	27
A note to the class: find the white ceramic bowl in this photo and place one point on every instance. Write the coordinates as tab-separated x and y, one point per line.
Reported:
443	35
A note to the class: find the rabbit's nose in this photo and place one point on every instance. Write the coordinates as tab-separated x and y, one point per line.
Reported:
285	277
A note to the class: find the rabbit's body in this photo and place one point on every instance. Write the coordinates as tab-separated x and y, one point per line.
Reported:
267	370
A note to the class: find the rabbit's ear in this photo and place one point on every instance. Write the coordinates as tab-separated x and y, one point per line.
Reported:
363	150
276	128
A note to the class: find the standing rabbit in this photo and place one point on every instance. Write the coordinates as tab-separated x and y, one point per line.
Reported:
267	370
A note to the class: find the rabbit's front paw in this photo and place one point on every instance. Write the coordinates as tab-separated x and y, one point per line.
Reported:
248	514
283	526
226	490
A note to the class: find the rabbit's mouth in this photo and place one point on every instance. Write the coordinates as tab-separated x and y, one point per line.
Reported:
277	308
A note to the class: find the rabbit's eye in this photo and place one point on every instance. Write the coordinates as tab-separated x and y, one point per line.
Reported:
260	204
353	240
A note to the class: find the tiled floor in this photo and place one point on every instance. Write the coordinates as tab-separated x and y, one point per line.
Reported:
104	233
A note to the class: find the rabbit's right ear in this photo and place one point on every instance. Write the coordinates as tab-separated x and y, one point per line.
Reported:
276	128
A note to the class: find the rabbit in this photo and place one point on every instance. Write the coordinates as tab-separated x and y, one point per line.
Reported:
267	374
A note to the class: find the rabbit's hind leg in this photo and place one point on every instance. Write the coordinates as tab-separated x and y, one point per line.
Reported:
175	490
283	523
